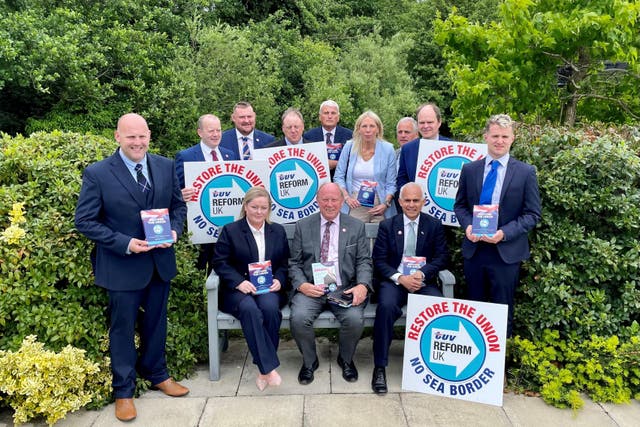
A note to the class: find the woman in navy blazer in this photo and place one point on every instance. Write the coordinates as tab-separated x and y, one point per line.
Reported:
367	157
251	239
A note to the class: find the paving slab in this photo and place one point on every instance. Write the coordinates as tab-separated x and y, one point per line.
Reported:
428	410
248	411
290	363
624	414
353	410
524	411
161	412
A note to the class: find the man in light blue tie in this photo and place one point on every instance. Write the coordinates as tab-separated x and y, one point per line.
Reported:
492	263
409	234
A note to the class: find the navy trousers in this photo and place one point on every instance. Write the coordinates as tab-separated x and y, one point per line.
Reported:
391	299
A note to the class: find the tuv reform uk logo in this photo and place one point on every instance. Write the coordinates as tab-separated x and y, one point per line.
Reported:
455	348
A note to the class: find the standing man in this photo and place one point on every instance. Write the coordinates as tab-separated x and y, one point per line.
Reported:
135	274
411	233
330	238
244	138
429	122
292	128
208	150
334	135
492	264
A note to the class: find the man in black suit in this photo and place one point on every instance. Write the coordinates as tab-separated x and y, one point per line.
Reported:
292	128
329	131
411	233
244	137
135	274
492	263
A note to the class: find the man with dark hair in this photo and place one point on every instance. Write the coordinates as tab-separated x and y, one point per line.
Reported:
244	138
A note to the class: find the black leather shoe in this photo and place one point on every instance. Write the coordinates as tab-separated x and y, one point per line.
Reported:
349	371
305	376
379	380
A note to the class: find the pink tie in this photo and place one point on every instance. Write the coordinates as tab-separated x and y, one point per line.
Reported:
214	155
324	246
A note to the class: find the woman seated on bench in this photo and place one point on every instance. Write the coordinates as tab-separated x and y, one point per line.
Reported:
256	303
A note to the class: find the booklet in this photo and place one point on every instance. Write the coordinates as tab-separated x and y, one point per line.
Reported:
411	264
367	193
324	276
485	220
261	276
333	151
157	226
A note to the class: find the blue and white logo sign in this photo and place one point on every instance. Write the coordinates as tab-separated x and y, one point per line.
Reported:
296	173
220	188
438	172
455	348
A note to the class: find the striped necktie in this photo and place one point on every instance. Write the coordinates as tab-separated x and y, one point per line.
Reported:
142	181
246	153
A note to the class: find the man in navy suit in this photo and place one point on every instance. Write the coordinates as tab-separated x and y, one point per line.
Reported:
329	131
429	122
492	263
292	128
135	274
411	233
244	138
208	150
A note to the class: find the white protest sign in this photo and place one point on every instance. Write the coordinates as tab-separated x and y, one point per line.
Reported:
296	173
438	173
455	348
220	188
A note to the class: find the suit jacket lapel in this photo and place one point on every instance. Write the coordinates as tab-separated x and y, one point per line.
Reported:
398	232
508	176
479	178
122	174
268	241
251	241
421	234
315	237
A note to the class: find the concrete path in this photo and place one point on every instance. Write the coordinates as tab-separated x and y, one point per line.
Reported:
331	401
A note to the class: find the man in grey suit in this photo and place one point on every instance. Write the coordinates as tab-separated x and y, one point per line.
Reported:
330	238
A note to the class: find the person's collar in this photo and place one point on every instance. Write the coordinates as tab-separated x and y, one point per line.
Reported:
323	220
502	160
286	140
332	131
239	135
407	220
206	149
253	229
130	163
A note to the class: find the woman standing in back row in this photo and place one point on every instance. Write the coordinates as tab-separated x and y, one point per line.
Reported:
366	171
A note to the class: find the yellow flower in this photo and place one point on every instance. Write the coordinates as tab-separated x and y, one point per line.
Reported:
17	213
13	234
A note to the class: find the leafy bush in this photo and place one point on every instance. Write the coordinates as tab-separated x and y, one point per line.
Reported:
603	368
46	281
38	382
583	276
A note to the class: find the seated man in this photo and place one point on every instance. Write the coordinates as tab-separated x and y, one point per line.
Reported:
412	233
329	237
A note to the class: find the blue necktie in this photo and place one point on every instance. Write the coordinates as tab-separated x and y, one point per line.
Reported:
489	184
246	153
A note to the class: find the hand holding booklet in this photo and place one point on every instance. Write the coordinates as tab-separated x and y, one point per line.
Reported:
157	226
324	276
261	276
485	220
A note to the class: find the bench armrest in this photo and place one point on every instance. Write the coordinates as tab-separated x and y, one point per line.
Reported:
213	281
447	280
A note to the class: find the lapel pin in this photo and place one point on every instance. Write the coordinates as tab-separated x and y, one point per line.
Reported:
344	230
399	232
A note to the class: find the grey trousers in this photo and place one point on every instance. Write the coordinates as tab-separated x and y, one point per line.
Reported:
305	310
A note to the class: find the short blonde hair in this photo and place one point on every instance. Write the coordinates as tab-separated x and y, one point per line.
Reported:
252	194
502	120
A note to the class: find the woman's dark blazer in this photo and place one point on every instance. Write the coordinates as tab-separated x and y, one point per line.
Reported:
236	248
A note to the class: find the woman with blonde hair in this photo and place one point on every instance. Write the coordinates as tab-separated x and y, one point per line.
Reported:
253	242
366	171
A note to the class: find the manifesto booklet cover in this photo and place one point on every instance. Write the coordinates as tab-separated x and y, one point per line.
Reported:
333	151
324	276
411	264
157	226
485	220
367	193
261	276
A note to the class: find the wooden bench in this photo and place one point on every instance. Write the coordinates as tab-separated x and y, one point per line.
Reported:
219	321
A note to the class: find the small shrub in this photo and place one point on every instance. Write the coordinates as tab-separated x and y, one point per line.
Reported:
37	382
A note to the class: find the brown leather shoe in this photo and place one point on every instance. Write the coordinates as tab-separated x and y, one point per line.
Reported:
125	410
171	388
